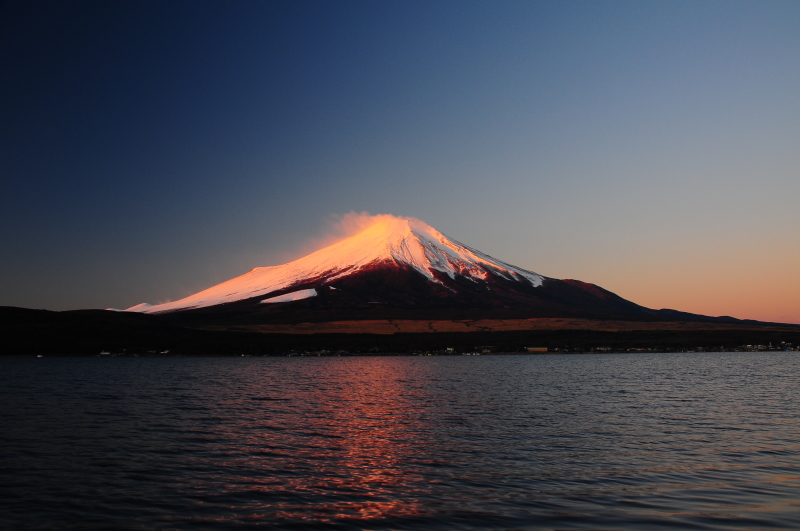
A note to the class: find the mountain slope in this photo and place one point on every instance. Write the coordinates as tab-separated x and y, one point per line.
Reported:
399	268
393	241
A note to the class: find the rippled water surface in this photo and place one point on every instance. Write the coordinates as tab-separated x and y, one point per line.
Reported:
640	441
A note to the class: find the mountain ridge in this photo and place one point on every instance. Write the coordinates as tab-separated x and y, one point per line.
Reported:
402	241
401	268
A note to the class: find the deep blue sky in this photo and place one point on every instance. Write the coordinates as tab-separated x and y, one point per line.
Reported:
151	149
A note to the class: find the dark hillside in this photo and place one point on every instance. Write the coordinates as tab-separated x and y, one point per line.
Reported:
87	332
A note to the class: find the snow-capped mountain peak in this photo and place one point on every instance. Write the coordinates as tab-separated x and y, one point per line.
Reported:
402	241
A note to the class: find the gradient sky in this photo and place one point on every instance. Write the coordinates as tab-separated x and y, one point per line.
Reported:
149	150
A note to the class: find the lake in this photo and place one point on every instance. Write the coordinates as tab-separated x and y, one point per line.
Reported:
612	441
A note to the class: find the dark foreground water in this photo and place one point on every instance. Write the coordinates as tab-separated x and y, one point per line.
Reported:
640	441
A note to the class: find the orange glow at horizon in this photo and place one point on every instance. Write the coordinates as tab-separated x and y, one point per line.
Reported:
744	287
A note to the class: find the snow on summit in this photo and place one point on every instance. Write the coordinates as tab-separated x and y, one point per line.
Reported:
404	241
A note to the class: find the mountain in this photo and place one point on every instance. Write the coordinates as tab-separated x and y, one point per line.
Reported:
398	286
400	268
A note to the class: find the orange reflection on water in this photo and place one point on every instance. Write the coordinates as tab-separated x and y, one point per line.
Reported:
360	431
